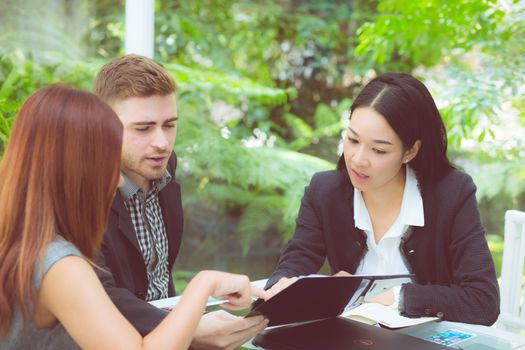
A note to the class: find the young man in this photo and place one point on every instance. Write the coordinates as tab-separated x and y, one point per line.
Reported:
144	230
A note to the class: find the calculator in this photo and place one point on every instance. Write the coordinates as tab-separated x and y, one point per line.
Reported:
449	337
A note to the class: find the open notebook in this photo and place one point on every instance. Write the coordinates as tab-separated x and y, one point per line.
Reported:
373	313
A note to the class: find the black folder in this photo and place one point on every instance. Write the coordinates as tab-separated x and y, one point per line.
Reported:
315	298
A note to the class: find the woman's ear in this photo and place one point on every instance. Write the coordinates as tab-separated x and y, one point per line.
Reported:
412	152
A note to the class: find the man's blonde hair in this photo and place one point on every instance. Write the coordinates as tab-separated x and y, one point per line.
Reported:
132	76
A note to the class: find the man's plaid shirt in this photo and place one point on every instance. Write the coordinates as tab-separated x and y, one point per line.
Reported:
146	216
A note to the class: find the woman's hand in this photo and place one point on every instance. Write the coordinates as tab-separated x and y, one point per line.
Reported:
236	289
386	298
342	274
279	286
285	282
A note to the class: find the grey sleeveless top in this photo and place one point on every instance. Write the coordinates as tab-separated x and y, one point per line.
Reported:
29	338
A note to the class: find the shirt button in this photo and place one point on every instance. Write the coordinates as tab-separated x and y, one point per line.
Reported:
440	314
411	252
428	311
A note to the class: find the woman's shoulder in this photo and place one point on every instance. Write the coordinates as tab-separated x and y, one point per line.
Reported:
57	249
455	186
456	179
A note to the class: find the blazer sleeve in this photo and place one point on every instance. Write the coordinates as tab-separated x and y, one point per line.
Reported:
142	315
472	296
305	252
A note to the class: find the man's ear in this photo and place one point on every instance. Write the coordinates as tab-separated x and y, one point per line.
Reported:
412	152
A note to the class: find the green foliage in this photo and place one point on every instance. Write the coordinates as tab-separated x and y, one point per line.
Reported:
263	185
472	97
181	278
43	26
500	178
421	32
479	40
261	39
21	75
104	36
8	110
219	34
228	86
328	123
496	248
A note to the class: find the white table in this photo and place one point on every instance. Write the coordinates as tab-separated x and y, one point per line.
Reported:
490	331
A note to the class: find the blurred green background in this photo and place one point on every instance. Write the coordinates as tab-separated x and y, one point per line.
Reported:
264	92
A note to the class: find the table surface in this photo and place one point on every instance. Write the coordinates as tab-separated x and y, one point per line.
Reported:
490	331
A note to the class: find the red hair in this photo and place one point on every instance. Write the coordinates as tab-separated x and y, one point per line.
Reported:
58	175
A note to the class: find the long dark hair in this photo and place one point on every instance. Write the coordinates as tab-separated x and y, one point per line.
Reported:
411	111
59	174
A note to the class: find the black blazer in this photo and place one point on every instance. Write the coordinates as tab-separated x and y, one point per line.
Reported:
125	278
455	275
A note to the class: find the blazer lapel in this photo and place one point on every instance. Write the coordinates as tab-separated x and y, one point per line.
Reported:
169	199
124	221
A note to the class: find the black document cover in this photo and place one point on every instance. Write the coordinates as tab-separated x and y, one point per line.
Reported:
315	298
307	299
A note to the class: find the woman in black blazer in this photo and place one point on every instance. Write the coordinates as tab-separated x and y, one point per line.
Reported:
396	204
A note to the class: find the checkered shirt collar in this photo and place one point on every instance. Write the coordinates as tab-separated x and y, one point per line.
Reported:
129	189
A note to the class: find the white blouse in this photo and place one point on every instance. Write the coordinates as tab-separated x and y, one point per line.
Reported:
385	256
